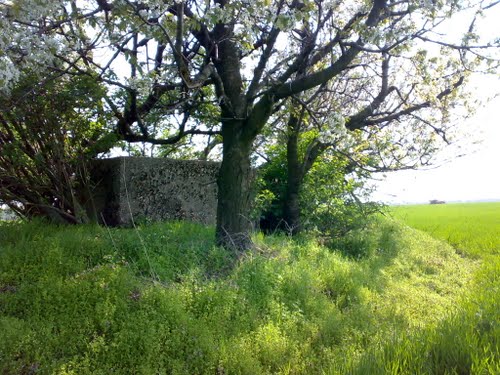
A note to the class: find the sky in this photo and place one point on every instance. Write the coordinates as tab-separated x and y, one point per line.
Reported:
473	177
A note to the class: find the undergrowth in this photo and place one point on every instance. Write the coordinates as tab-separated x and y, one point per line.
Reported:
161	299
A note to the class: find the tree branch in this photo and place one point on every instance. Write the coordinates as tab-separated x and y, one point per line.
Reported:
405	112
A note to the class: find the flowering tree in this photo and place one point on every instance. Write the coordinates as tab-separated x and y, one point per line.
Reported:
162	60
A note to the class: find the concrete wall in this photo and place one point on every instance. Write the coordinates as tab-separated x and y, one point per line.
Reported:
153	189
6	214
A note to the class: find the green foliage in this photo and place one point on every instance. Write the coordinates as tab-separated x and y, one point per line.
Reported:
329	196
332	197
162	299
357	243
271	182
48	133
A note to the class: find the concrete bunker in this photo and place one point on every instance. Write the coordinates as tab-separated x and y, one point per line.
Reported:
135	189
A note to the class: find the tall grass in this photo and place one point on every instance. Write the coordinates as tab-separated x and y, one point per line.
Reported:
467	340
163	299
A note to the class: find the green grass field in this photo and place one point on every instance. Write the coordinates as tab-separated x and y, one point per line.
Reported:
161	299
470	227
473	230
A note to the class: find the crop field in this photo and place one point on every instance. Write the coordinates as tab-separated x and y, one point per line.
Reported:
473	228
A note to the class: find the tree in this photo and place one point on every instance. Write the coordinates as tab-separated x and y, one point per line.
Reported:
254	55
327	190
313	130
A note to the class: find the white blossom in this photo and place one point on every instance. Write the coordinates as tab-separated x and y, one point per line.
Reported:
24	44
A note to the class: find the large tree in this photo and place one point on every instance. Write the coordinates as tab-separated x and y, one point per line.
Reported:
313	129
247	58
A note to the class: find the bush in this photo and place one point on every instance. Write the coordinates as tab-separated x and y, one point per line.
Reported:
48	133
331	195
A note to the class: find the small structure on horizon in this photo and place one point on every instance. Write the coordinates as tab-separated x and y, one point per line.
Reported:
436	201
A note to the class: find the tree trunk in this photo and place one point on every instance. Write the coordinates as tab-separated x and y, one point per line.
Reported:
234	191
291	204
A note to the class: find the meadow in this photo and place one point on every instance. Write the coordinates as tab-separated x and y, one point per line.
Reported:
161	299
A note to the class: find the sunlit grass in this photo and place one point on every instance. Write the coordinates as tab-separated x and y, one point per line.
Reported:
163	299
467	340
473	228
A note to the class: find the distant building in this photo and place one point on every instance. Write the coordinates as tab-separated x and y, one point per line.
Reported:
436	201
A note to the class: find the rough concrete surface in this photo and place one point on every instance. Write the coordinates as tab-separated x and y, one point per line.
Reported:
134	189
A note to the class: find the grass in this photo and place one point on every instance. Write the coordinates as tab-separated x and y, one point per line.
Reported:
467	341
162	299
472	228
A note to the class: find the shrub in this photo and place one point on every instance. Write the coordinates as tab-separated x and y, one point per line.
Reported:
331	195
48	133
